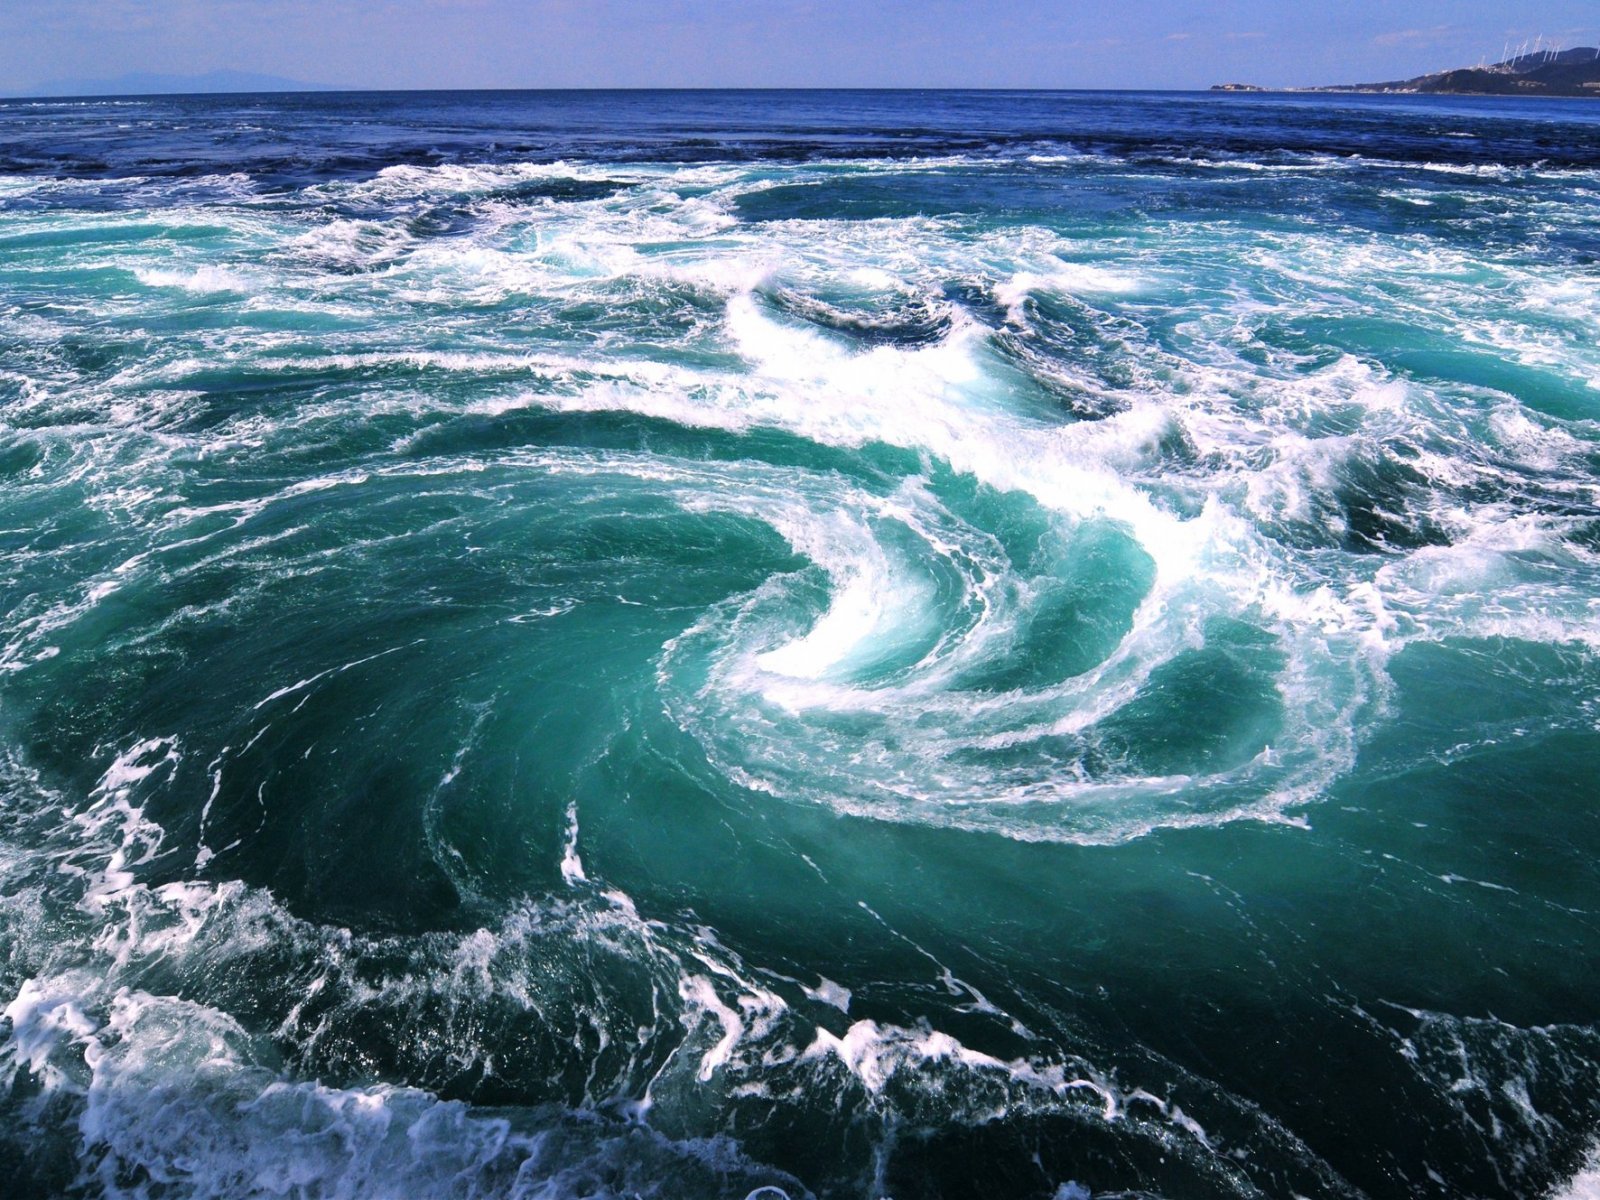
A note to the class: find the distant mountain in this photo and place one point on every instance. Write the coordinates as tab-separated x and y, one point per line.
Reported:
144	83
1549	73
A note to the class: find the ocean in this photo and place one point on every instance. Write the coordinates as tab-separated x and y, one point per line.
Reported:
817	644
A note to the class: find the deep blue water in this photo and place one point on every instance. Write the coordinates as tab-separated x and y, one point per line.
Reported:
854	644
295	140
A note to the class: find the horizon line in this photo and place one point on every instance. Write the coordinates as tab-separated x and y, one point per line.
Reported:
324	90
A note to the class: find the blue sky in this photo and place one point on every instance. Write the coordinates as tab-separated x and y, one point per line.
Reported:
754	43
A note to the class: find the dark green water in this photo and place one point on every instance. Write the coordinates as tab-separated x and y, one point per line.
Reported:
858	645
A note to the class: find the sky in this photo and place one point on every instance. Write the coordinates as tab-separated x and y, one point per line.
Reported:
775	43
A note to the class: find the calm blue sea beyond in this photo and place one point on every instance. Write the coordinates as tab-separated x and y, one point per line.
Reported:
845	644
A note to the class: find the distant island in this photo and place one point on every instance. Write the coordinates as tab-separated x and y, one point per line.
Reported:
1543	73
145	83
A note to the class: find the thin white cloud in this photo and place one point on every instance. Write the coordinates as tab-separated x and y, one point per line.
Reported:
1416	37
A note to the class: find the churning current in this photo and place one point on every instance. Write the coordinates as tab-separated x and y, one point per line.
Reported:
703	645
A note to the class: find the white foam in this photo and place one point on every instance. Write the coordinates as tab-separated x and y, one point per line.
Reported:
204	279
1069	278
571	865
875	1053
831	993
1585	1184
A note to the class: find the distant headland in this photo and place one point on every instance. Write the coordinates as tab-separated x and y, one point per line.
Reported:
1542	73
1545	73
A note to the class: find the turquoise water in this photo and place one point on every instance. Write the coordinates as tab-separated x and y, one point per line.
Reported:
852	645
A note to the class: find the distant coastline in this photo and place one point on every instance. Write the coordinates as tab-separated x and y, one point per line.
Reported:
1550	73
1546	73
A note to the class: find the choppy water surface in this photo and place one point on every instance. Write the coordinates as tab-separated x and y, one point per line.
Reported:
842	645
